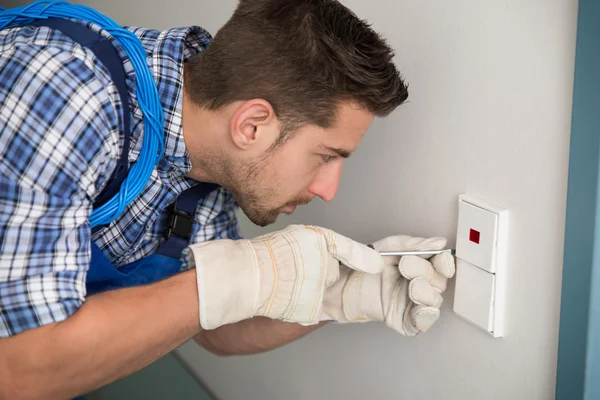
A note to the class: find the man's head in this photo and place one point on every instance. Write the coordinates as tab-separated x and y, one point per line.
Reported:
287	89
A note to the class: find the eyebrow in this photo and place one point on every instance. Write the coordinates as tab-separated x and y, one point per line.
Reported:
340	152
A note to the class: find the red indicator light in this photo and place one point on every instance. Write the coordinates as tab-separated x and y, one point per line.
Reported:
474	236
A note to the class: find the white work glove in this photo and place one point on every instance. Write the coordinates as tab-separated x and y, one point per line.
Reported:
281	275
406	295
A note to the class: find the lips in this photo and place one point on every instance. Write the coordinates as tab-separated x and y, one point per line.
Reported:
289	209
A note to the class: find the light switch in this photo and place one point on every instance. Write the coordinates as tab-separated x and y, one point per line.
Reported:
474	297
476	236
481	246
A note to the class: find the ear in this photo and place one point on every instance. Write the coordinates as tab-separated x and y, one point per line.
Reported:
254	125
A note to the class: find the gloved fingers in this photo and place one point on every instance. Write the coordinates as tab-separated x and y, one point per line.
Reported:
424	317
414	320
422	293
408	326
412	267
397	307
391	243
407	243
361	299
391	261
410	317
390	275
354	255
333	272
444	264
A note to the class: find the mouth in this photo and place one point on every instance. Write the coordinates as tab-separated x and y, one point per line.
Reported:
288	209
291	206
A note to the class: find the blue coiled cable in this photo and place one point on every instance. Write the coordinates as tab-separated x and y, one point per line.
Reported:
147	94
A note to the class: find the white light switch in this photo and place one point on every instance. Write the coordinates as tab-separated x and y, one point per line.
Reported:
476	236
474	298
481	246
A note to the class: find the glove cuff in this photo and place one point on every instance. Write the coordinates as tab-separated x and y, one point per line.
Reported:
227	285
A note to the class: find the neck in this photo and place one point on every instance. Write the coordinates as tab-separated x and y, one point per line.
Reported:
201	136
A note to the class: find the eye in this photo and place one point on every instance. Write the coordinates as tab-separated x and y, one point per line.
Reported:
327	158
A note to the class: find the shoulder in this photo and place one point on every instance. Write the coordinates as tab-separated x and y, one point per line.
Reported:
57	114
173	42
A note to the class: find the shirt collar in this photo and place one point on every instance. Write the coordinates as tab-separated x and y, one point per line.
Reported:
174	47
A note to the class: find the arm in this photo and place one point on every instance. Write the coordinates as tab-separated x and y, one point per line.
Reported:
57	147
252	336
111	336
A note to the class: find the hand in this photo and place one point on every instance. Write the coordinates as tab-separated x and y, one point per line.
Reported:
406	295
281	275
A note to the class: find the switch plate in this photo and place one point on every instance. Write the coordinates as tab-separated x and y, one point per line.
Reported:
481	247
474	297
477	235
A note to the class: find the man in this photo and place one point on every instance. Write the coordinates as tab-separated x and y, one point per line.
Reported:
268	111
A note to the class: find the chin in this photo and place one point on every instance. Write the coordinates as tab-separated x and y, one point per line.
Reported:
262	223
262	220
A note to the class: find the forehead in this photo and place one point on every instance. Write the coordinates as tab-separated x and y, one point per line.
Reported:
351	124
352	117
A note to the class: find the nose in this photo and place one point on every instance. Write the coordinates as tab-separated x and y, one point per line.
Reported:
326	182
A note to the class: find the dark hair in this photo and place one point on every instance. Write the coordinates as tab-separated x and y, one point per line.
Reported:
302	56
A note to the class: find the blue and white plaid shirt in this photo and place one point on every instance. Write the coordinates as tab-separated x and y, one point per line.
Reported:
59	142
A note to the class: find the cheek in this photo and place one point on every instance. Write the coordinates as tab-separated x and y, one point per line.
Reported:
296	178
293	175
296	165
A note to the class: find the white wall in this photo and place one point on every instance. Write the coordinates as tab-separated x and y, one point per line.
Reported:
489	115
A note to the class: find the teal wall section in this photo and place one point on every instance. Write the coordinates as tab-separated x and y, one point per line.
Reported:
579	353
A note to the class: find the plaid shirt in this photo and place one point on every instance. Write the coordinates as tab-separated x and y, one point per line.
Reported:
59	142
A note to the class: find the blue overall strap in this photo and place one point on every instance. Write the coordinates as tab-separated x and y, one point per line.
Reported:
106	53
152	148
103	276
181	219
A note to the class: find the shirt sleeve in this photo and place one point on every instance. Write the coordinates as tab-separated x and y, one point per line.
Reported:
58	136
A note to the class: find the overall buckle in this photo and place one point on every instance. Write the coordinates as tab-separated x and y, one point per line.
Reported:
180	223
